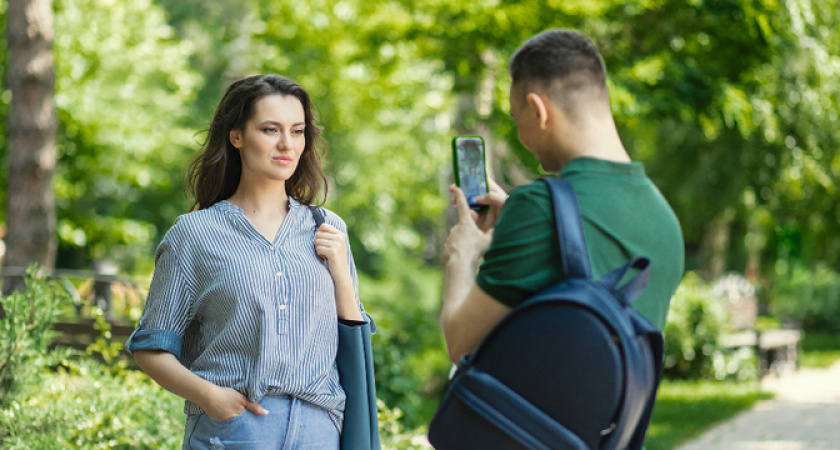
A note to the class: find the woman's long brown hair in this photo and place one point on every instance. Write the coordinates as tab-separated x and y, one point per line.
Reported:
213	175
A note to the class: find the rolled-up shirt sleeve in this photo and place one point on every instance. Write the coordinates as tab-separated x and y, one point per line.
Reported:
166	314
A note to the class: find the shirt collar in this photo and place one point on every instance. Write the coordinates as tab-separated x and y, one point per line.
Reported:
226	206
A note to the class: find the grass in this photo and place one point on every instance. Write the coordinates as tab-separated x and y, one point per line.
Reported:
685	409
819	349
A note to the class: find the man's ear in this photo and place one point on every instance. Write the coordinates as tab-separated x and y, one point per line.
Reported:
236	138
540	106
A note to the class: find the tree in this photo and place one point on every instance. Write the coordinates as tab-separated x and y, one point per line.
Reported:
31	130
736	117
123	88
732	105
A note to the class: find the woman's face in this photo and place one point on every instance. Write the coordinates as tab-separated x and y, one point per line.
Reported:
271	142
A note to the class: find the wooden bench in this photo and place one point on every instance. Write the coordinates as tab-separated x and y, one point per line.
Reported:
80	333
777	351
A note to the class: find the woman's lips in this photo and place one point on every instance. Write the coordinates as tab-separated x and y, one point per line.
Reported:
283	159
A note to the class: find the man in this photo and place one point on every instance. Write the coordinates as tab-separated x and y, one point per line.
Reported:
560	102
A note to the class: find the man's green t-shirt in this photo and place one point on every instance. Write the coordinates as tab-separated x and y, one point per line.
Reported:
623	214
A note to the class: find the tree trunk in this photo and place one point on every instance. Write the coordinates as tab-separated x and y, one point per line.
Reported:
715	246
30	211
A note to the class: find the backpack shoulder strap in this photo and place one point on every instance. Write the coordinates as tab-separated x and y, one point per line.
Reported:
575	260
319	215
573	253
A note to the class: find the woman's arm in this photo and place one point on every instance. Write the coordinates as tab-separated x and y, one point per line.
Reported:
220	403
330	243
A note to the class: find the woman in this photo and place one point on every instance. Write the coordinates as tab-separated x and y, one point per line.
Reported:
241	316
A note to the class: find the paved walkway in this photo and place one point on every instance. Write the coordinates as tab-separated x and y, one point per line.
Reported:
804	415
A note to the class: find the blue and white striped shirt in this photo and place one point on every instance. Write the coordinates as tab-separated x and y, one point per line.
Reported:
246	313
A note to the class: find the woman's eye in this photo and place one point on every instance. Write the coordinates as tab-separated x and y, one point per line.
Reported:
270	130
297	132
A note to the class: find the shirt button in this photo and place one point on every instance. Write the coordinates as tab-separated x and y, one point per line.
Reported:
282	307
271	248
279	274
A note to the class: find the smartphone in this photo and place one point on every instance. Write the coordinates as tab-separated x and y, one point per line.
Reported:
469	166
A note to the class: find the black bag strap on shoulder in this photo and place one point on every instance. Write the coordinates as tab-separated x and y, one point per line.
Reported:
573	253
319	216
575	261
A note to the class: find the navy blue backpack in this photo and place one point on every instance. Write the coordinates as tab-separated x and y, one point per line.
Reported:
573	367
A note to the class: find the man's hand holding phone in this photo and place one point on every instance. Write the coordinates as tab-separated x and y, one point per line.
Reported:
494	199
483	196
466	242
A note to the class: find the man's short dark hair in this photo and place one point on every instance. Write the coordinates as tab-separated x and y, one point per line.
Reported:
563	56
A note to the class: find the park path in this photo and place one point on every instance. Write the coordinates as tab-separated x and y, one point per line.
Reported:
804	415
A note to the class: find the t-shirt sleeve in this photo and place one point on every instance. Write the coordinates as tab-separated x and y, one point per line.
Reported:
166	313
523	257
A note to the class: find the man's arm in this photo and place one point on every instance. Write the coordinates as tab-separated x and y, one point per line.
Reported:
466	322
468	313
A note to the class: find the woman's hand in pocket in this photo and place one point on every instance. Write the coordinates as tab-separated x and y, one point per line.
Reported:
226	403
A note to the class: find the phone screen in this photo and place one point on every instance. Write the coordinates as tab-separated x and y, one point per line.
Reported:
471	174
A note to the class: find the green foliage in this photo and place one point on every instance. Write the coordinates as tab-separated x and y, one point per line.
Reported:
384	107
58	398
731	105
393	434
810	296
122	79
27	332
819	349
409	353
106	349
766	323
695	323
751	128
684	409
85	405
695	320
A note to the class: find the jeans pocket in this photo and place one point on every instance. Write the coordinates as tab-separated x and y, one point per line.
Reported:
226	422
235	433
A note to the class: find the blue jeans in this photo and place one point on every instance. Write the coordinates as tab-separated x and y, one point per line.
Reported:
290	424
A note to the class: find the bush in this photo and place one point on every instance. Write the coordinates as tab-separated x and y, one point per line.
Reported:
60	398
86	405
696	320
26	333
820	349
809	297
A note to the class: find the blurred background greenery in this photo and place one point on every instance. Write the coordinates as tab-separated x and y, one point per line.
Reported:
732	105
